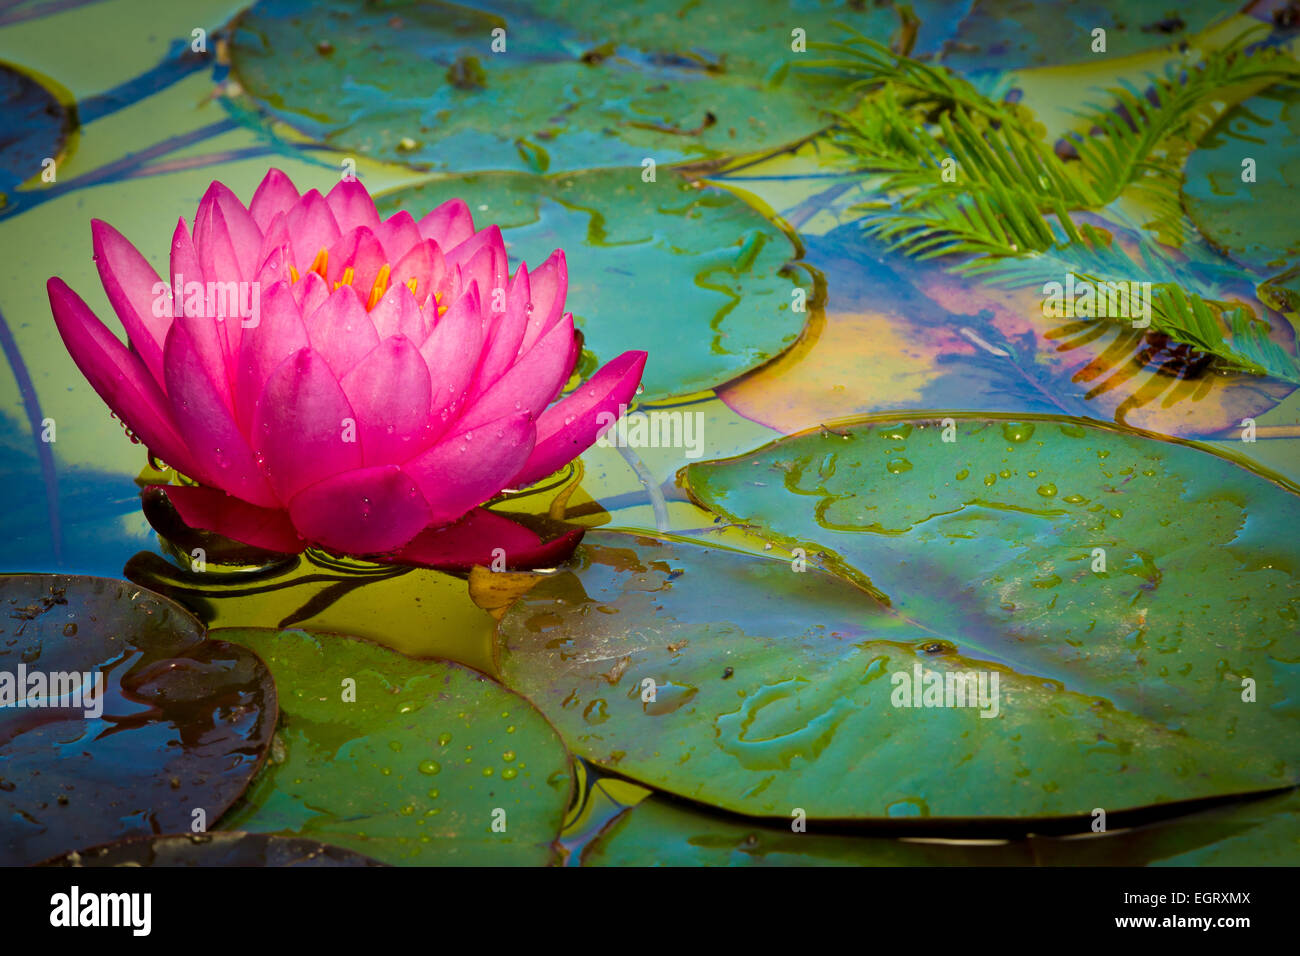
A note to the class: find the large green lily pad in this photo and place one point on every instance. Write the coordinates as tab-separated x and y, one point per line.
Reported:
588	83
690	273
172	738
774	690
416	769
1254	222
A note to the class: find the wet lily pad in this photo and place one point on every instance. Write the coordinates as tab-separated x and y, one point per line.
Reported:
1254	222
214	849
416	769
774	690
1014	34
181	725
934	340
36	128
663	833
421	84
649	264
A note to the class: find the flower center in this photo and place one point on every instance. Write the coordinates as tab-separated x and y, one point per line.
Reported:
320	266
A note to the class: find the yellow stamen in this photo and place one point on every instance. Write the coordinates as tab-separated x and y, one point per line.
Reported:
379	288
411	283
321	264
348	276
293	275
437	298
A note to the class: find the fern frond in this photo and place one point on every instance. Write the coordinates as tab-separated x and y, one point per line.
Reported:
1196	321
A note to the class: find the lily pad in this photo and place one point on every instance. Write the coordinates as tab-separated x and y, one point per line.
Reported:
776	690
427	763
1014	34
36	128
172	738
900	334
1254	222
688	272
659	832
422	83
214	849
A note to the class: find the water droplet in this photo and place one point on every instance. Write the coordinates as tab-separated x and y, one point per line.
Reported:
430	767
963	474
1018	432
1048	490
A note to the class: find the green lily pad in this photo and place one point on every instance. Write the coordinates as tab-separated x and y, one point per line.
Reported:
177	728
36	128
1014	34
660	832
649	264
421	84
776	690
214	849
417	769
1253	222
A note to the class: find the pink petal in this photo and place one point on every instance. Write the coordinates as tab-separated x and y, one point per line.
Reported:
507	331
311	228
209	509
204	417
341	331
217	258
244	234
274	238
275	194
474	539
566	430
119	378
367	511
389	392
398	233
449	225
398	314
301	426
130	282
359	251
208	337
310	292
452	354
482	259
279	335
530	384
469	467
424	263
352	206
548	286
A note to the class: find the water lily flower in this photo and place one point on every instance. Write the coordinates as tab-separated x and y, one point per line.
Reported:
327	378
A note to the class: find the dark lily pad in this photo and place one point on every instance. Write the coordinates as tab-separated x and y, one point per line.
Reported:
36	126
1254	222
775	690
584	84
415	770
220	848
690	273
180	728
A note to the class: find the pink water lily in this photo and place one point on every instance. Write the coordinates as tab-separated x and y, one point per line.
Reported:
356	384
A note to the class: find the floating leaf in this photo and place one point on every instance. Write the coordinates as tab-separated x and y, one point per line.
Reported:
772	690
180	727
1251	220
658	832
406	761
422	83
907	335
649	263
37	124
214	849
